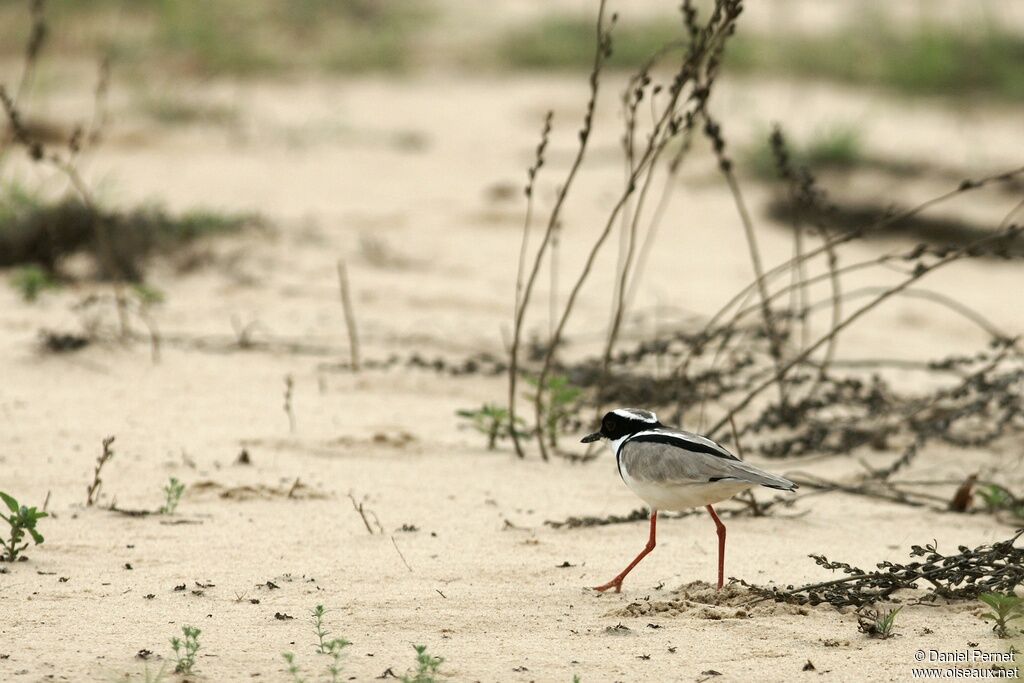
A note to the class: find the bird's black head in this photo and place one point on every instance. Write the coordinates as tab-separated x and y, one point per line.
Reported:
623	422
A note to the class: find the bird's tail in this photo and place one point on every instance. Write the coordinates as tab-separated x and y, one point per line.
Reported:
746	472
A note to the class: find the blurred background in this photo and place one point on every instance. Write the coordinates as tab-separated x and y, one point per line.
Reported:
947	48
396	135
396	132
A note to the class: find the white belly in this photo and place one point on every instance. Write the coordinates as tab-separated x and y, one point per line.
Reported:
683	496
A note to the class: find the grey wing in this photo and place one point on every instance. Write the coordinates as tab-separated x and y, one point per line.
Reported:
669	463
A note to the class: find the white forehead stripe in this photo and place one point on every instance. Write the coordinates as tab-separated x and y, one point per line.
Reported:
636	414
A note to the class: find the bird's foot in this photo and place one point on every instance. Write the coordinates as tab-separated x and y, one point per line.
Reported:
614	583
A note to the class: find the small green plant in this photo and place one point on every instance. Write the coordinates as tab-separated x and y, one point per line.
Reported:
878	624
147	295
334	647
994	496
427	667
997	498
562	399
185	650
21	519
320	629
838	146
293	668
31	281
172	496
835	147
492	421
1005	608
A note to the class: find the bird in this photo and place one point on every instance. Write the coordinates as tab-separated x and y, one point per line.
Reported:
671	469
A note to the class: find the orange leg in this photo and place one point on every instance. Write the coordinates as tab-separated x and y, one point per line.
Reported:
616	583
721	546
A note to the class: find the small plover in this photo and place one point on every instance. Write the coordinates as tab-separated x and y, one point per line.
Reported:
675	470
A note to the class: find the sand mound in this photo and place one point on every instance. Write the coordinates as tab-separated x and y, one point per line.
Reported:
701	599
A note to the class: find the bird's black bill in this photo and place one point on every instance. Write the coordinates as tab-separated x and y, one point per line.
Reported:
591	437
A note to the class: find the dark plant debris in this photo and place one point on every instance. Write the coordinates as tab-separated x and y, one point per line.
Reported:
62	342
44	234
640	514
995	568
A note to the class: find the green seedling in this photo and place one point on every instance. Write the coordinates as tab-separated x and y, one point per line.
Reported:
837	147
492	421
997	497
147	295
562	398
334	647
21	519
31	281
427	667
293	668
172	496
878	624
185	650
1005	608
323	644
994	496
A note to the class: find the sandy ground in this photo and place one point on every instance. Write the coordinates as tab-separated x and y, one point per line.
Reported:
482	582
